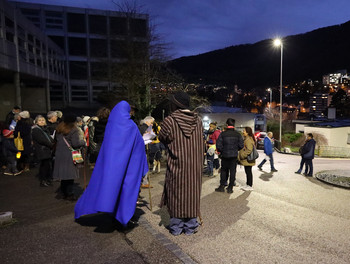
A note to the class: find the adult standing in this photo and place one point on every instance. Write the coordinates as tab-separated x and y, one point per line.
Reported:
228	144
24	129
52	123
64	168
10	116
268	150
43	145
213	135
182	133
308	154
121	163
249	144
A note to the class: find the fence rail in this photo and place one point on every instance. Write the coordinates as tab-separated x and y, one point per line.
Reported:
329	151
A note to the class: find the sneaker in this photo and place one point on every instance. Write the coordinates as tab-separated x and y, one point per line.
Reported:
297	172
17	173
221	188
260	168
247	188
44	184
274	170
8	173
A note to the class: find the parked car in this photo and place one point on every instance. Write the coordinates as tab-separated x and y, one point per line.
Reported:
259	137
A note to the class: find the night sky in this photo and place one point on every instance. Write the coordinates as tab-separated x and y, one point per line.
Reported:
197	26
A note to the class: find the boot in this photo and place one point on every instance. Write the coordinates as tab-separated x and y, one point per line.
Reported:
221	188
229	189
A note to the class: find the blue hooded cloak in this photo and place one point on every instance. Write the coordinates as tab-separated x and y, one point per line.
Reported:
121	163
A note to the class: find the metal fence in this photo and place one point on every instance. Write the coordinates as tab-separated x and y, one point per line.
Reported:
329	151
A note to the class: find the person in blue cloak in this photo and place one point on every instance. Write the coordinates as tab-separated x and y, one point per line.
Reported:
121	163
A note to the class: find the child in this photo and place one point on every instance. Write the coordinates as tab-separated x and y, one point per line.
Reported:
10	152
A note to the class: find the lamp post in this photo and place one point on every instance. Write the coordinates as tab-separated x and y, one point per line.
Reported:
278	42
270	91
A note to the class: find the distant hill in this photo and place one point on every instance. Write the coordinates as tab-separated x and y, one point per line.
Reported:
305	56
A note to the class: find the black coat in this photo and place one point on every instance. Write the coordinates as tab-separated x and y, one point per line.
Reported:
229	143
42	143
8	147
309	149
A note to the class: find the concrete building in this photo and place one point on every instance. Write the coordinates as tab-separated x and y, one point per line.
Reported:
30	64
92	40
319	103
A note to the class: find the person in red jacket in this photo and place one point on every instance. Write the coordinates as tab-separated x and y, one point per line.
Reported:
213	135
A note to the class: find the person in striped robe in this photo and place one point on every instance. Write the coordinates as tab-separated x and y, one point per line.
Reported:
182	133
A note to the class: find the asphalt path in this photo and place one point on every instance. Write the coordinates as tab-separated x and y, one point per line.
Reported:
288	218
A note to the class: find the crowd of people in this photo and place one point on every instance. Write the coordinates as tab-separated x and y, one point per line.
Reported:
120	167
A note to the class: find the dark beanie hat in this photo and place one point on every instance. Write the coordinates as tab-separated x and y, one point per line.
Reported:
69	118
180	99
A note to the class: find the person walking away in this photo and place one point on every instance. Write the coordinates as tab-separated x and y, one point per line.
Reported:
182	134
64	169
10	151
24	129
228	144
116	178
309	154
268	150
249	144
43	145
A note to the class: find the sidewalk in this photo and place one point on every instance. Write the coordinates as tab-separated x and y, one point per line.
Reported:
45	230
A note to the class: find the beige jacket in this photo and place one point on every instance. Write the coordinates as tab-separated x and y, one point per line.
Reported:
245	151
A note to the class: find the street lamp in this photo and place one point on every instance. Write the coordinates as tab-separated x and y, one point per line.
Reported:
278	42
270	91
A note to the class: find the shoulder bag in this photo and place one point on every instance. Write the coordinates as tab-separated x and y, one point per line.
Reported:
253	155
19	142
76	154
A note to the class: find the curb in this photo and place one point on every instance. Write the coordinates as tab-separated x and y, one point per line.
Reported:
338	180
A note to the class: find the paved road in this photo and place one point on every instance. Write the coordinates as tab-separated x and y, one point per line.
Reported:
288	218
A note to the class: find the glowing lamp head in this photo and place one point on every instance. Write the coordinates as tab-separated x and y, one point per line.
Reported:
277	42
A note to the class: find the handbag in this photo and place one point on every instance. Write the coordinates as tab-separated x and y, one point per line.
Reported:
76	153
19	142
253	155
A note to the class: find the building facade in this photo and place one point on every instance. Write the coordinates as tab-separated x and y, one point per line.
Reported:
319	102
30	63
93	42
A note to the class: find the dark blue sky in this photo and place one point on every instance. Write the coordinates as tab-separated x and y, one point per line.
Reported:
197	26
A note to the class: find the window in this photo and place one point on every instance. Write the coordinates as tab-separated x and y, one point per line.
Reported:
77	46
54	20
9	23
59	41
98	24
138	27
10	36
118	26
118	49
79	93
98	48
78	69
99	70
76	23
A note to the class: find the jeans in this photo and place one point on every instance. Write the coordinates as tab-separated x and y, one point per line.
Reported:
249	174
228	166
308	167
301	165
271	162
210	163
187	225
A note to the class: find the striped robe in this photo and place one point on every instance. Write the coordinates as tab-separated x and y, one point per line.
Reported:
182	133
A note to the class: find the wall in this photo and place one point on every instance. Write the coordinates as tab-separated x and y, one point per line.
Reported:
7	102
34	99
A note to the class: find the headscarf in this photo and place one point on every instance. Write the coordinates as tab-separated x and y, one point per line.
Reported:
121	163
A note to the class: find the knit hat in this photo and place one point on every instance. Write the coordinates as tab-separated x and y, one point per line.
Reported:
181	99
86	118
7	132
24	114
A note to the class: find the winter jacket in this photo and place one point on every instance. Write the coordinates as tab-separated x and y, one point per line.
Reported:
42	142
268	146
213	137
229	143
249	144
309	149
8	147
